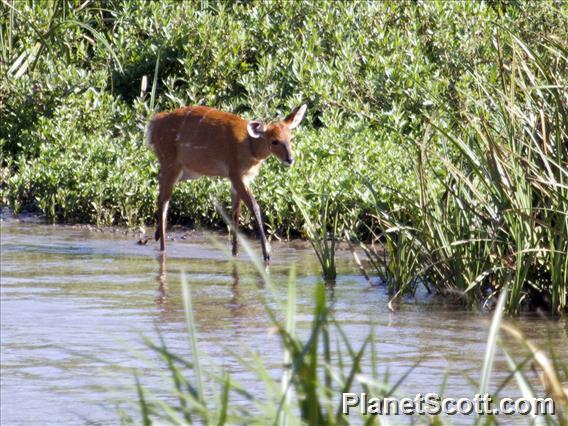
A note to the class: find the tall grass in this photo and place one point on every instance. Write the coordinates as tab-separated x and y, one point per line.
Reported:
310	378
317	369
495	213
322	239
306	394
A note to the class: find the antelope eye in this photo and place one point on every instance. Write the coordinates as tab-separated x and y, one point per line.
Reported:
274	142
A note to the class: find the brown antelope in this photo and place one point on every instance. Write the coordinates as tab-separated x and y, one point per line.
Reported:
199	141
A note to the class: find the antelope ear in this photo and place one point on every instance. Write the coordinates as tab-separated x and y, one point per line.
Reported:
256	129
296	116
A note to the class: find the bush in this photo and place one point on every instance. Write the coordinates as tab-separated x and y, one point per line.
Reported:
75	108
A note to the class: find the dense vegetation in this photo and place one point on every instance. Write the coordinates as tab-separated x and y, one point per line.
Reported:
437	128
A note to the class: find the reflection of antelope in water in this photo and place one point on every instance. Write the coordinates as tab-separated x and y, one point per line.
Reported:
162	284
199	141
235	302
240	307
244	305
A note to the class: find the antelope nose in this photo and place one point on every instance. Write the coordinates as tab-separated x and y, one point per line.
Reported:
290	161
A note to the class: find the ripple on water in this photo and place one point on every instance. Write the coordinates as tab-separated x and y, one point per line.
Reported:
75	304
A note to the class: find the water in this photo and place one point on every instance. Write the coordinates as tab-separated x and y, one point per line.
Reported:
75	302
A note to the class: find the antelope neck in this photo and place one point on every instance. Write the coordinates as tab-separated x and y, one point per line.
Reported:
252	151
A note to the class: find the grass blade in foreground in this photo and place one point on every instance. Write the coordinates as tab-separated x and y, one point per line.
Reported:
492	340
324	245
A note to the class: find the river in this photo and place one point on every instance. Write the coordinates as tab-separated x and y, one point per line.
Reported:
75	304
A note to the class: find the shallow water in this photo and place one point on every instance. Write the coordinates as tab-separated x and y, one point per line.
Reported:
74	302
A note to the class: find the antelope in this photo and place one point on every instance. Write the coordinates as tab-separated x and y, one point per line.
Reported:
200	141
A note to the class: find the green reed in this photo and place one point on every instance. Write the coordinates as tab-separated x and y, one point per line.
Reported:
323	232
493	209
316	370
